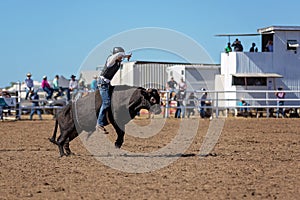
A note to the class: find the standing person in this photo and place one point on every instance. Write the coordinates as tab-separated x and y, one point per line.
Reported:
112	65
73	87
237	45
182	87
1	107
253	48
280	96
47	88
191	104
269	46
94	85
228	48
29	85
171	86
203	103
35	103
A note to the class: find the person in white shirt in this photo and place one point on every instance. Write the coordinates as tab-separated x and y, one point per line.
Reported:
73	86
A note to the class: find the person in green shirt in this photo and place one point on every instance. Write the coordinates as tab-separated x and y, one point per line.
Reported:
56	87
228	48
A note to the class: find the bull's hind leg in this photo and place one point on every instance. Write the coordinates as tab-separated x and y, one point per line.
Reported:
61	150
52	139
61	140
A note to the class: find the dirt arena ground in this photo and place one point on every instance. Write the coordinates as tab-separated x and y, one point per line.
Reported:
253	159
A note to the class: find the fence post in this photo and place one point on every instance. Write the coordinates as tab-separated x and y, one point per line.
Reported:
167	106
17	105
18	102
217	104
267	103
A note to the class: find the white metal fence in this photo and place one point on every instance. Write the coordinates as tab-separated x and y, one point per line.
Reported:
224	102
258	100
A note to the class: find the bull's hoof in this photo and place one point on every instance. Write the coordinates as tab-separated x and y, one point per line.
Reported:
118	146
70	154
52	140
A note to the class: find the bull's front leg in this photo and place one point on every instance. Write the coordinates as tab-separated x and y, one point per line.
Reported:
120	133
67	147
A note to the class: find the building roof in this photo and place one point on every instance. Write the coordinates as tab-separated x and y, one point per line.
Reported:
278	28
266	75
172	63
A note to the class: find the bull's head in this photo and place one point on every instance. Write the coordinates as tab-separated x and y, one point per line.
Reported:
153	99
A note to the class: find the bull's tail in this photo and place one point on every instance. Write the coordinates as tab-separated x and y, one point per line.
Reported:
53	138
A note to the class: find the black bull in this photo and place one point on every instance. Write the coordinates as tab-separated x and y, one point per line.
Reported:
81	114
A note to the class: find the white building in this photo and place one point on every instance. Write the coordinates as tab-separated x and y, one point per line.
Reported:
263	70
196	76
146	73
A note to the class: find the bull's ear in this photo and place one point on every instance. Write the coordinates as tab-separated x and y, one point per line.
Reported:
144	92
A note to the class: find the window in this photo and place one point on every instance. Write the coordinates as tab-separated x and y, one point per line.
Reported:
249	81
292	45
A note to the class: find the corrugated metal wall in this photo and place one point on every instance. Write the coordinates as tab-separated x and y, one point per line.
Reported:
150	75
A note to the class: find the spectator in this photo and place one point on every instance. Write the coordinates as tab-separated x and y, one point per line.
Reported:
203	103
29	85
244	111
190	105
253	48
56	87
73	86
171	86
180	105
228	48
94	85
1	107
35	103
280	96
47	88
237	45
182	87
269	46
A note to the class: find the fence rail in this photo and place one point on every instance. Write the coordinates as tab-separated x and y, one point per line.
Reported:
257	99
220	101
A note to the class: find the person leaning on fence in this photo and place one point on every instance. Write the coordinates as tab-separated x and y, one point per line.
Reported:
29	85
35	103
280	96
179	97
203	102
244	110
190	110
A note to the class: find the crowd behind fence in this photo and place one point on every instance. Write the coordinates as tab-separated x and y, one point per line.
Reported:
259	101
222	103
